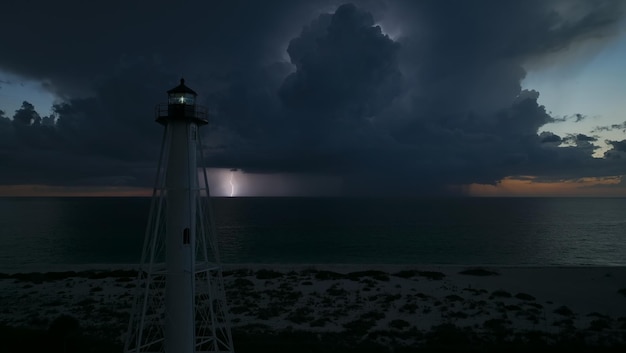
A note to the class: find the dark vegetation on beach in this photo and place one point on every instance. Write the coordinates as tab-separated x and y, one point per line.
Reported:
478	272
40	277
330	304
65	336
444	338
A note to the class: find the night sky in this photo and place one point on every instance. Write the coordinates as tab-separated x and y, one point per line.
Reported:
319	98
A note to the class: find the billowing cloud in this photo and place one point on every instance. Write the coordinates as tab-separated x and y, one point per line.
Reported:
618	152
439	104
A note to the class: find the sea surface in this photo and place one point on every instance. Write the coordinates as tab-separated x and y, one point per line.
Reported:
443	231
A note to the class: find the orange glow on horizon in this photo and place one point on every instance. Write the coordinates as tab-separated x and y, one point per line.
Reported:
72	191
528	186
512	186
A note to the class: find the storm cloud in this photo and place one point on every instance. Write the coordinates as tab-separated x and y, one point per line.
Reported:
304	87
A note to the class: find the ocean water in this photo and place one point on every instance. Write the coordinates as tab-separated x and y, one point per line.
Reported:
457	231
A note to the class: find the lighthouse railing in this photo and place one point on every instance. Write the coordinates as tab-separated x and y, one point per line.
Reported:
198	112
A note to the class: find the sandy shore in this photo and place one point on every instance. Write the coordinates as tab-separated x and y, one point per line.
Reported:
392	305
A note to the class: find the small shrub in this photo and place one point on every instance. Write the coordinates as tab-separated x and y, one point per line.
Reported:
422	296
268	313
268	274
63	326
458	315
335	291
242	283
498	326
359	326
564	323
300	315
377	275
388	298
478	272
501	294
56	302
534	305
124	279
599	325
321	322
565	311
374	315
449	336
432	275
238	273
474	291
239	309
454	298
399	324
524	296
408	307
622	321
328	276
599	316
406	274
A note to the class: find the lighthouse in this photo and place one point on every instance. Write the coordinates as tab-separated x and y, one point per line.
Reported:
180	304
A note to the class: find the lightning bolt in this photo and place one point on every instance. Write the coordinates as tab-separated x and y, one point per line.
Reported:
232	184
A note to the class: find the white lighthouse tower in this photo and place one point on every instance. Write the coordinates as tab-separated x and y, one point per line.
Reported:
180	303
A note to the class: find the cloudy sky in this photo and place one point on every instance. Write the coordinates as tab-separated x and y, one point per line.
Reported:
319	98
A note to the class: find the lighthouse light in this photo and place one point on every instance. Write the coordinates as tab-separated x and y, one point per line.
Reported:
181	98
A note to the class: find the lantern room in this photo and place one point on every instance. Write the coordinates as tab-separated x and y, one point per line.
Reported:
182	94
181	106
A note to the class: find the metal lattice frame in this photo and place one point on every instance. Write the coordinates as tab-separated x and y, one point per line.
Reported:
212	322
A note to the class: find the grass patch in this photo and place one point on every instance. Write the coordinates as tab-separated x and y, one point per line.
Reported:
406	274
454	298
241	283
564	311
399	324
478	272
268	274
524	296
301	315
377	275
500	294
431	275
328	276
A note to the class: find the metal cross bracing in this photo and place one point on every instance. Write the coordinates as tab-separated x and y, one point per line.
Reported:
146	332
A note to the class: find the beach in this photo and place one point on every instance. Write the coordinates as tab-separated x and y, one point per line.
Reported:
401	306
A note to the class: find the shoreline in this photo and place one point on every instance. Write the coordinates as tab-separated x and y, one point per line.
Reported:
360	301
338	266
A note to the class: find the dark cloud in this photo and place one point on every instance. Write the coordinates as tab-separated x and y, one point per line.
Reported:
611	127
439	104
619	146
548	137
346	68
585	138
574	117
618	152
